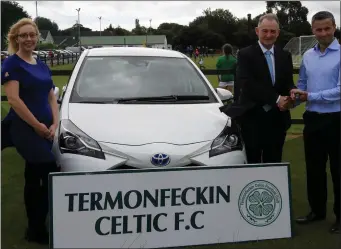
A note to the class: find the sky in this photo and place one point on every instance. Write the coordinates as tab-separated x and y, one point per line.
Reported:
124	13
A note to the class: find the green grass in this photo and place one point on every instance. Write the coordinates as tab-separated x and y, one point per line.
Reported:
314	236
62	67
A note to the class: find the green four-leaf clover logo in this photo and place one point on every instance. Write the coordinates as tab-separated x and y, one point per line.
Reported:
261	203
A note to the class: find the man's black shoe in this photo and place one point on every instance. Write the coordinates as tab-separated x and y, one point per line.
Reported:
311	217
335	228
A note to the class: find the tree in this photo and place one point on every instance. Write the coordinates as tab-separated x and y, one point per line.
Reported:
292	16
46	24
137	23
117	31
73	31
211	39
110	28
171	30
11	12
139	30
45	46
121	31
220	21
242	37
198	36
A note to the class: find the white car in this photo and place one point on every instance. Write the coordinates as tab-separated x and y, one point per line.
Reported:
134	108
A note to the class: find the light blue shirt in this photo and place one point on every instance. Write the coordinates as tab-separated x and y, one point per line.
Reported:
264	49
320	77
272	55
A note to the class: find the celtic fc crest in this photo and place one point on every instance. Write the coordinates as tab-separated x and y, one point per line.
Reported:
260	203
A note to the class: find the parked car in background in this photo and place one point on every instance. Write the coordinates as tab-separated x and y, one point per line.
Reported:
4	55
76	49
39	54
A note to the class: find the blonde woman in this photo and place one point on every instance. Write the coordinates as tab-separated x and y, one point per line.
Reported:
31	122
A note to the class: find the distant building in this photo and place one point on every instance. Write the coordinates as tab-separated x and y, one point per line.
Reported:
65	41
92	39
45	37
154	41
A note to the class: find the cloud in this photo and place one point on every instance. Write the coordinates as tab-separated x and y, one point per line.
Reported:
124	13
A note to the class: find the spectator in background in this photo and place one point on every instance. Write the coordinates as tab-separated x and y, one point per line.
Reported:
201	63
32	121
227	62
196	54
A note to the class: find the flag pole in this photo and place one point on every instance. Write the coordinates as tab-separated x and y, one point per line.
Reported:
36	9
37	24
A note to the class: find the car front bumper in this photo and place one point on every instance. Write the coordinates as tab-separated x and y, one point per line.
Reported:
139	157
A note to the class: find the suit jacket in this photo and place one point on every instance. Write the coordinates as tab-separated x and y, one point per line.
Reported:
254	84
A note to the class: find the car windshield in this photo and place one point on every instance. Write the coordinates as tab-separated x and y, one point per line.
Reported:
135	77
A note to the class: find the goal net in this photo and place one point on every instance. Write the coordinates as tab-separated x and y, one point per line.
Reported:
297	46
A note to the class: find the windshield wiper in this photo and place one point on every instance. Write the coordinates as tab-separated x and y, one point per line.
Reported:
96	101
164	98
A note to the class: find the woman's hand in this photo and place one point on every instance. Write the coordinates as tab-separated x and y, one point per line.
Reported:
52	131
42	130
55	113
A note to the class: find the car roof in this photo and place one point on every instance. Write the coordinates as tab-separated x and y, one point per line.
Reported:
133	51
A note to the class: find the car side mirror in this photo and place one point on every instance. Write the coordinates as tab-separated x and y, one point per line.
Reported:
60	97
224	95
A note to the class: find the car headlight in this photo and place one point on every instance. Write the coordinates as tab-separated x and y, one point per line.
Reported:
73	140
228	140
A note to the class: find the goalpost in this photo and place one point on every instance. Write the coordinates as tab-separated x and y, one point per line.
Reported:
297	46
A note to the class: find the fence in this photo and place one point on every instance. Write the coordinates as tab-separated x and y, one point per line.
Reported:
60	59
205	71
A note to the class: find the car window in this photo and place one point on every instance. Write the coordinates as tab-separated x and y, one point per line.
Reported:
129	77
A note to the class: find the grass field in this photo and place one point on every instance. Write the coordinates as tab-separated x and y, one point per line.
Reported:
314	236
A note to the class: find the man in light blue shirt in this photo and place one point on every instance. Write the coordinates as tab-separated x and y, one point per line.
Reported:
319	86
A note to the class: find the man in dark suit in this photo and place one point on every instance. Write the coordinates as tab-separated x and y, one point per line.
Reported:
265	78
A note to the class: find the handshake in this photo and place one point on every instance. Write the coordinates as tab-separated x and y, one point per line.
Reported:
287	102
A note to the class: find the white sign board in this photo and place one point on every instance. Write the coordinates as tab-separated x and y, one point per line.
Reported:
169	207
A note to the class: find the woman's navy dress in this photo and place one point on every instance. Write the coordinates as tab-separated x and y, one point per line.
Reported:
35	83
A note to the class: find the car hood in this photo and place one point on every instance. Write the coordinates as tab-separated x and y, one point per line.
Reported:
142	124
